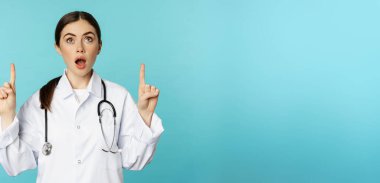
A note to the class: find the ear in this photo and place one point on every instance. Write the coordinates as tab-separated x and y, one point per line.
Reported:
58	49
100	47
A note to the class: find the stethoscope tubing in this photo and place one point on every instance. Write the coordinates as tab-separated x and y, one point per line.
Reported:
47	147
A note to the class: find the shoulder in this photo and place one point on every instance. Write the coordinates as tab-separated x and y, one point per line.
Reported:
118	94
115	89
32	104
34	100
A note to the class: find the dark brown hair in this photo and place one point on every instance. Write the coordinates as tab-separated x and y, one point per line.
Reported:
73	17
47	91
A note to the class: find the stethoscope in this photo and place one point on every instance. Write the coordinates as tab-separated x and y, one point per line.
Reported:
47	147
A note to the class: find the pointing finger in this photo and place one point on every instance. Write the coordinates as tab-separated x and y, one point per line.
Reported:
13	76
142	74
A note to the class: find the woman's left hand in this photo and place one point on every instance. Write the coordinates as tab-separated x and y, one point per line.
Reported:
148	97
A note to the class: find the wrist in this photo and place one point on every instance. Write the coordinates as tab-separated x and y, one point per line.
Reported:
147	117
7	119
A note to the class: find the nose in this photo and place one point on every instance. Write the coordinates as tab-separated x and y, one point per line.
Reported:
80	48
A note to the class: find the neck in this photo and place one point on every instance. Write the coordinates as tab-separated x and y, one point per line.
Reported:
78	82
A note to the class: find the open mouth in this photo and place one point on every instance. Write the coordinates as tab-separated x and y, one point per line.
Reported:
80	62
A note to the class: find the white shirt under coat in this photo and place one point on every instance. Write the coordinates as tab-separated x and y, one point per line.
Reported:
75	133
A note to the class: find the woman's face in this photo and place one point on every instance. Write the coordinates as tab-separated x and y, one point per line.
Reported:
79	46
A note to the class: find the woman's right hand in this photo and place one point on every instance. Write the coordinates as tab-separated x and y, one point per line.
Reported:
8	100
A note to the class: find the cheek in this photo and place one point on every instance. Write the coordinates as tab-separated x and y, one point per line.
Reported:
66	51
93	51
67	55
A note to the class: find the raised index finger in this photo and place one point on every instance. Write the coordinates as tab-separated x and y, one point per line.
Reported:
142	74
13	75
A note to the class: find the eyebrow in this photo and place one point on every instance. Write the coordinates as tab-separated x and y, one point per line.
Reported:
71	34
89	32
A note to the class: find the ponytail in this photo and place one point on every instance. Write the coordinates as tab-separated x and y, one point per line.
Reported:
47	93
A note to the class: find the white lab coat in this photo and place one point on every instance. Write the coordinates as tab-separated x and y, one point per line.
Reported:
75	133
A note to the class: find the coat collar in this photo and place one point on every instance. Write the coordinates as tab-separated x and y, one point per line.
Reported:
94	86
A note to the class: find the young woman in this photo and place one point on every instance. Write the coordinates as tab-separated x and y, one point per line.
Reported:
78	127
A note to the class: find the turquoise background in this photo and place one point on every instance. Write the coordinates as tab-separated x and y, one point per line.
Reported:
272	91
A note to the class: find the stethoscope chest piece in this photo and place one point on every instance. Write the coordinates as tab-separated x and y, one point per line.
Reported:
46	149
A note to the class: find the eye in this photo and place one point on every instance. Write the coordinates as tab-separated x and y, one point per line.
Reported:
70	40
88	39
